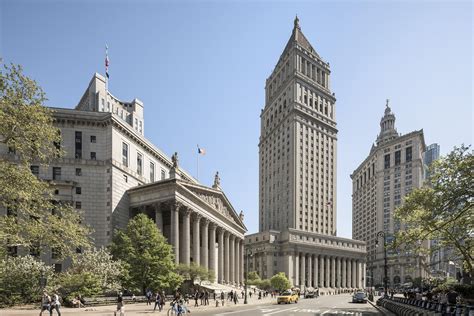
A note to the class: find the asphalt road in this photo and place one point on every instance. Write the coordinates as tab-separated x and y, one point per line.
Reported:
324	305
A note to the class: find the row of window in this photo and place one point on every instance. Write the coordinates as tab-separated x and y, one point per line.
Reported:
125	155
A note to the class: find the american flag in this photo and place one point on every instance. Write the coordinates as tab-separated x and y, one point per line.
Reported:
201	151
107	61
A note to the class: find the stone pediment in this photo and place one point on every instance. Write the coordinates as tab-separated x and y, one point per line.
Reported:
217	200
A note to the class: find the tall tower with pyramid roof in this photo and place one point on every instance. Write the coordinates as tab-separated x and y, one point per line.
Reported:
297	198
298	142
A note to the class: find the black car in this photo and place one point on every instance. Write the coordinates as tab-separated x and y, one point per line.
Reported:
359	297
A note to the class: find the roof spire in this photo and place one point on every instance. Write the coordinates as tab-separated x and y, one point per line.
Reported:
297	22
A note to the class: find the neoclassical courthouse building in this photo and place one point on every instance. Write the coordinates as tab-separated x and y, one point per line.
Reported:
297	181
111	172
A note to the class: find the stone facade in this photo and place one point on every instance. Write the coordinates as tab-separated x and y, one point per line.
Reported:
199	222
297	181
393	168
106	157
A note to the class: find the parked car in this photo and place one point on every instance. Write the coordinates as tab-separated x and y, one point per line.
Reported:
359	297
287	297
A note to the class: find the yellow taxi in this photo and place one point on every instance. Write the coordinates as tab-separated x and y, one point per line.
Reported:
287	297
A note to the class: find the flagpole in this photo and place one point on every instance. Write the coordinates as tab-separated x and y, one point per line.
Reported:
106	105
197	163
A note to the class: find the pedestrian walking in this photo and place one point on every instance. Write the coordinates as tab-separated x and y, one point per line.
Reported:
148	295
222	298
196	297
157	301
55	304
45	303
206	297
163	300
120	307
236	299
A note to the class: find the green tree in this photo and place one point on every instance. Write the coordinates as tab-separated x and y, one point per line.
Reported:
99	262
70	285
253	275
148	258
443	209
280	282
20	279
26	128
194	271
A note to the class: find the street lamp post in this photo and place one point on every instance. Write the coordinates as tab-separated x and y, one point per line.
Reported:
385	266
249	254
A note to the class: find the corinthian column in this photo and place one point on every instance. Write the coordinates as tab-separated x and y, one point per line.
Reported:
221	255
316	271
344	281
175	230
354	274
328	271
196	236
338	272
232	258
237	262
310	270
333	272
205	244
226	257
212	249
186	236
303	270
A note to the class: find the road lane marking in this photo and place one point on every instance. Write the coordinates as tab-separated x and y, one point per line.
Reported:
325	312
237	311
280	311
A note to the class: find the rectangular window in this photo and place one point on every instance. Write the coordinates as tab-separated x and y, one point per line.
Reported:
93	139
35	170
56	173
387	161
125	154
139	163
408	154
78	190
398	155
93	155
78	205
78	172
58	268
163	174
55	253
152	172
78	145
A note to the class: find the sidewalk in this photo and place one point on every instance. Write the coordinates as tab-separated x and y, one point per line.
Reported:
134	309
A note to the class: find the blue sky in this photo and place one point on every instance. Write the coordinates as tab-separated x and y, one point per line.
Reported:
200	69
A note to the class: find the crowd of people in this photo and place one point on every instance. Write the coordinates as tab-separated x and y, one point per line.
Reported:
179	302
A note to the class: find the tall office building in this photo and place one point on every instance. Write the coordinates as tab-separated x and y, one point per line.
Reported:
393	169
431	154
297	181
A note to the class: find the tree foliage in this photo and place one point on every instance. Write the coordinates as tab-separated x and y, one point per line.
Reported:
280	282
443	209
26	128
194	271
148	258
20	279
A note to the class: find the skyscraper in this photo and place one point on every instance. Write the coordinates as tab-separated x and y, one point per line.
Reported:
298	142
393	169
297	197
